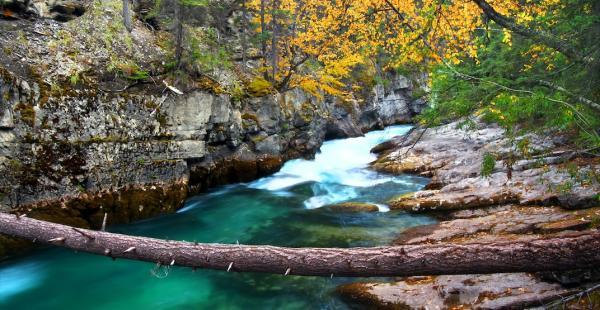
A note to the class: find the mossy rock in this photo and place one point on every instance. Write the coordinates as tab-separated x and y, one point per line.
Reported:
209	84
307	111
248	116
27	113
258	138
352	206
259	87
404	196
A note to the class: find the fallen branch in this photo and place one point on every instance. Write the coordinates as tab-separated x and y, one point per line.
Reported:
162	100
416	141
126	87
172	88
578	250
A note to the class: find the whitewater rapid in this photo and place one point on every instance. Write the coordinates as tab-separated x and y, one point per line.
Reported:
338	170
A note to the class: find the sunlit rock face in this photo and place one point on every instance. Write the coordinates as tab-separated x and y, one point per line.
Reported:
72	150
453	155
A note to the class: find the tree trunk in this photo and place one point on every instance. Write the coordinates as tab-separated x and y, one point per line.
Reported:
178	32
263	37
274	34
127	16
539	36
244	30
577	250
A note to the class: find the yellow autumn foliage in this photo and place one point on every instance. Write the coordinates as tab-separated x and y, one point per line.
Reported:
339	35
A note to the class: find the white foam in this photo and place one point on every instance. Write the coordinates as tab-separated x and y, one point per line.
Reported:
341	162
382	207
325	194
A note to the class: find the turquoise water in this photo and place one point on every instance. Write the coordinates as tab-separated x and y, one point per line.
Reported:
282	209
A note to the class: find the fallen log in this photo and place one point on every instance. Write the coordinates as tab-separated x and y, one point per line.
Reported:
578	250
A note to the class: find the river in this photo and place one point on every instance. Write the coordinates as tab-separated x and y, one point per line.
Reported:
283	209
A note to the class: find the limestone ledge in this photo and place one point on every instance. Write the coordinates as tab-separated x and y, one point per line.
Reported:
452	157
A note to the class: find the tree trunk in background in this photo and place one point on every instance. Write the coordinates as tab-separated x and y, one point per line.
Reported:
127	15
275	33
244	32
577	250
178	32
263	37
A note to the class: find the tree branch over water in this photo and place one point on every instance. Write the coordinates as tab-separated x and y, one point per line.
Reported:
540	36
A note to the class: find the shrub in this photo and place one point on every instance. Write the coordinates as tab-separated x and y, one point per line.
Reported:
487	165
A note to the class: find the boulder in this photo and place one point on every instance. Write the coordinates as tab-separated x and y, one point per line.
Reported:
269	145
494	291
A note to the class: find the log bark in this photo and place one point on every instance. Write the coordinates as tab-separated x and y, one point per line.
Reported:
578	250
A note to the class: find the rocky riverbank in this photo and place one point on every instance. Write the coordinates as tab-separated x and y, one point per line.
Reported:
547	194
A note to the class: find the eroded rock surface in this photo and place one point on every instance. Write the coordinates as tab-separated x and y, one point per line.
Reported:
453	158
508	222
494	291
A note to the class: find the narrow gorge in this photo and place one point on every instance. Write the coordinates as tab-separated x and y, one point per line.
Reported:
285	154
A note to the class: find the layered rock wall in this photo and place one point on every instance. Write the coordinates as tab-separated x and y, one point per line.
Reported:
71	156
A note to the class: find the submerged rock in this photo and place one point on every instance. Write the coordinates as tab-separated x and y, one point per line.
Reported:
352	206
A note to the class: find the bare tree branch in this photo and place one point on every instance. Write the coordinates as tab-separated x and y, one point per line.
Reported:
581	99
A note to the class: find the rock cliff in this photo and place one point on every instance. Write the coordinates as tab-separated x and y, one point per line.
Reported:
72	154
